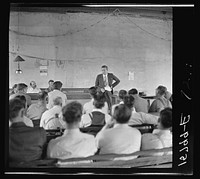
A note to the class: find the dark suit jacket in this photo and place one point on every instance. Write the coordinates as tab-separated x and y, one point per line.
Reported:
100	82
26	143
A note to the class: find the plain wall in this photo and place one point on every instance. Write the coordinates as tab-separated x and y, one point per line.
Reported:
115	41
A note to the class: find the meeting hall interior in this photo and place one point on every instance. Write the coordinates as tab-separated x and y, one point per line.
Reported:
90	87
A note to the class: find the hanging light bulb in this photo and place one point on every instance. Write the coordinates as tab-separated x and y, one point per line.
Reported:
18	59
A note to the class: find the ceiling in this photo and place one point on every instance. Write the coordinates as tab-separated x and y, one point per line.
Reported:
152	12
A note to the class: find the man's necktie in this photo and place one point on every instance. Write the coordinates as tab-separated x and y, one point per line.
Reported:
105	81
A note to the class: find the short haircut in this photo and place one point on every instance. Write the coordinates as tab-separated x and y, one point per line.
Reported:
93	91
22	98
104	66
32	81
50	81
21	86
161	90
57	101
42	95
15	105
122	113
129	101
166	118
72	112
14	86
99	100
133	91
122	93
57	85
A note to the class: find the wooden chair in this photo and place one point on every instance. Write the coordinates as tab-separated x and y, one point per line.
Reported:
145	159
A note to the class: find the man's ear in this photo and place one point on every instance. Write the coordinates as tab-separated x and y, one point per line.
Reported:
22	112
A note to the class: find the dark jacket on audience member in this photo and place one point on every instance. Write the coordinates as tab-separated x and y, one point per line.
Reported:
26	143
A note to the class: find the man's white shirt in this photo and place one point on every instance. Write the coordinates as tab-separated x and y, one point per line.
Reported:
86	120
56	93
72	143
121	139
50	114
88	107
33	90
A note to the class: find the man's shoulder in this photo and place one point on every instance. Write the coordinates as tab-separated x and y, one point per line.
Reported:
87	136
99	75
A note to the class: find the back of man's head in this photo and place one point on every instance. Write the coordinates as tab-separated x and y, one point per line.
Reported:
21	87
57	101
22	98
161	90
132	91
166	118
129	101
72	112
42	95
93	91
122	114
57	85
122	93
99	100
15	105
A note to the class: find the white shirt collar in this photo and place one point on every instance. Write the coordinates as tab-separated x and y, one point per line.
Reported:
121	125
100	110
67	131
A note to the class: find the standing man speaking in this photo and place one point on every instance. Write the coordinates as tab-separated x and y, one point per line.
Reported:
104	83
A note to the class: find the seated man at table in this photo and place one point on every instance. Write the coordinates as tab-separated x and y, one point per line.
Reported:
25	143
21	90
52	118
33	88
96	117
35	111
160	102
117	136
72	143
89	106
162	136
140	104
50	87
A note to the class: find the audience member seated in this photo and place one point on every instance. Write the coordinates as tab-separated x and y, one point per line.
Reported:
140	104
52	118
121	95
160	102
89	106
138	118
50	87
25	143
35	111
116	136
72	143
96	117
21	90
33	88
13	90
162	136
57	85
27	121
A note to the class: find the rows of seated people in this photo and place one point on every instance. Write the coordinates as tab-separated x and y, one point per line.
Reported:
28	122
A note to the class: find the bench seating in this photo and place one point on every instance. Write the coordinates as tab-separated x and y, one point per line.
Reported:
144	160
